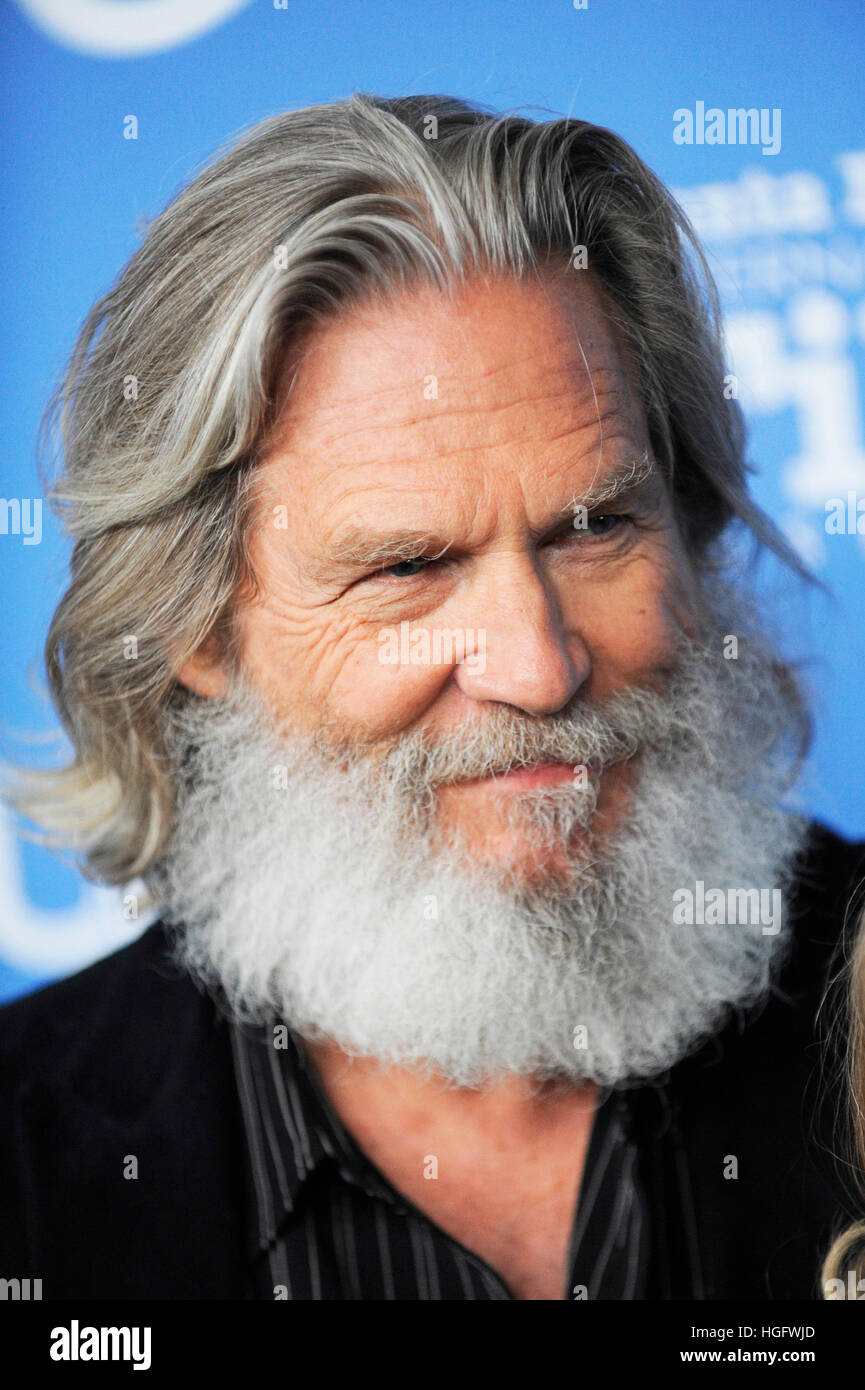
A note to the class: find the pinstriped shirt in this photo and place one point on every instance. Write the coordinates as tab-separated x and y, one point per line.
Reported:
324	1223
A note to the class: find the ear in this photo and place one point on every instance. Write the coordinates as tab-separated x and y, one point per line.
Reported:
203	672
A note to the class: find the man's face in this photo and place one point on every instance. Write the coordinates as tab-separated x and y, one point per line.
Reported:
370	893
427	469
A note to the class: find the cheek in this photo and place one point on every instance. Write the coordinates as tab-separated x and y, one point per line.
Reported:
379	686
316	669
631	623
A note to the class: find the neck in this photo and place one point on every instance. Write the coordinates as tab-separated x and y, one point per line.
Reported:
521	1107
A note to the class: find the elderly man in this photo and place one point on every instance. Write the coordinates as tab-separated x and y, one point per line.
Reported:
405	662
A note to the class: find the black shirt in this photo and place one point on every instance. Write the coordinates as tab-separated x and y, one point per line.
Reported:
326	1224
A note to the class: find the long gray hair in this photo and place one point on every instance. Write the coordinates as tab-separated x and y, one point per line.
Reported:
172	386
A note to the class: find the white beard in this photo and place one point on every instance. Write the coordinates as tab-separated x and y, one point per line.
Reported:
314	887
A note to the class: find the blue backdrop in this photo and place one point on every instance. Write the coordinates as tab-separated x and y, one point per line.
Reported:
780	206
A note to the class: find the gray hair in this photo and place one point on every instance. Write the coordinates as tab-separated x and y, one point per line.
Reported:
171	388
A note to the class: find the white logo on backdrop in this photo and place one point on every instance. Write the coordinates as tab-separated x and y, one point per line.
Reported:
803	362
789	256
43	942
110	29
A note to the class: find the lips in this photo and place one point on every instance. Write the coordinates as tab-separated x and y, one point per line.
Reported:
524	778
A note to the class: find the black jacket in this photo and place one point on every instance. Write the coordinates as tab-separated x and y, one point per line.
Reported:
127	1059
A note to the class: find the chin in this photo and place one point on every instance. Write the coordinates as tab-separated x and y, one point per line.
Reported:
525	858
535	835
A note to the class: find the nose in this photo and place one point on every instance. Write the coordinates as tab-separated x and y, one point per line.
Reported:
529	659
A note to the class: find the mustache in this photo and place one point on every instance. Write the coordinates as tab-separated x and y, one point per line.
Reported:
590	733
583	734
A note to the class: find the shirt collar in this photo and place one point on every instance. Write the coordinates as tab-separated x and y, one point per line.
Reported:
291	1128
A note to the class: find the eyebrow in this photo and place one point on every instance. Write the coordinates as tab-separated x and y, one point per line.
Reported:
634	473
362	547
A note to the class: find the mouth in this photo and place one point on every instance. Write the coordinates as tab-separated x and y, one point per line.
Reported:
526	778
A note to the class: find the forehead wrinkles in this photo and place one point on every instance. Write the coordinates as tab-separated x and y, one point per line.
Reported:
561	409
356	372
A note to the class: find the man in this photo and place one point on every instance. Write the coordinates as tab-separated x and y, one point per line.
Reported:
403	659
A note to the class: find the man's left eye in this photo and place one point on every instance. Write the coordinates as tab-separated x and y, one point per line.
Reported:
599	526
604	523
406	569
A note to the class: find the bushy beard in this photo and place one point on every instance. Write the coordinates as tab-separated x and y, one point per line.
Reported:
309	880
